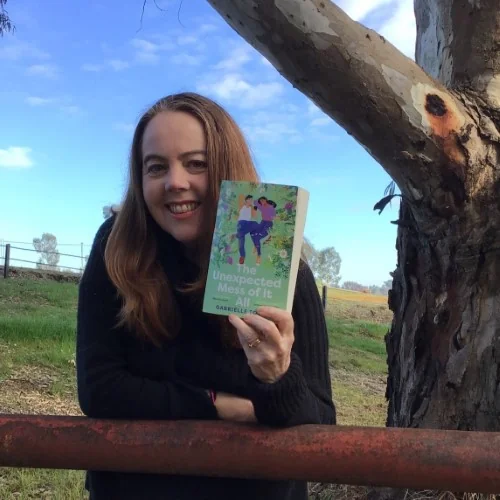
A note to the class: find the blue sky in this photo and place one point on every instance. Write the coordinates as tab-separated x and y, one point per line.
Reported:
76	76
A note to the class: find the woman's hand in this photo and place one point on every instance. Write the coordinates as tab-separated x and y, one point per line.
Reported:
267	338
233	408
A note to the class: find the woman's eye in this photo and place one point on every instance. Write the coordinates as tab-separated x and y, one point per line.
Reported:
197	164
155	168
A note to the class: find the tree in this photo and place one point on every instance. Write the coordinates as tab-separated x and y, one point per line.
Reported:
327	266
324	264
434	126
381	290
353	285
46	246
310	253
6	25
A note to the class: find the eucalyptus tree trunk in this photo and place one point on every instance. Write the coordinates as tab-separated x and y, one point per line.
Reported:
434	126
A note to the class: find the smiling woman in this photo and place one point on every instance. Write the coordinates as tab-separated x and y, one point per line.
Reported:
145	349
175	175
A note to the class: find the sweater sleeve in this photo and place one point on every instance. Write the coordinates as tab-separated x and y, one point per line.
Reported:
106	387
304	394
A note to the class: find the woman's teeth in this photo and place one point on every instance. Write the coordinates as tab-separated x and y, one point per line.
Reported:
182	208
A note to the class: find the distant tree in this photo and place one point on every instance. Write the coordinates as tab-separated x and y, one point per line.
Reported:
6	25
46	246
327	266
374	289
310	253
353	285
383	289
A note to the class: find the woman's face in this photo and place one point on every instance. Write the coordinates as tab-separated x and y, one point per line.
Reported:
175	175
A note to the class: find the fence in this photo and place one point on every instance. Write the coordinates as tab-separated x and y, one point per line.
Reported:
460	461
13	255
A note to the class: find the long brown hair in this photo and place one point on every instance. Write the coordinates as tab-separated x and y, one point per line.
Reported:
149	308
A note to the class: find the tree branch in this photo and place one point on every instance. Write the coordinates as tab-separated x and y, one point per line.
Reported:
6	25
406	120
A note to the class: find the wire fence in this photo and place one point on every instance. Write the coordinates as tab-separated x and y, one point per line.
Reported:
12	254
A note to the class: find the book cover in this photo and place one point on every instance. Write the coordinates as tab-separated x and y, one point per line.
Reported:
256	247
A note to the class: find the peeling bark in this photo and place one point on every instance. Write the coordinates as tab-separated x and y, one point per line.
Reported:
435	128
458	43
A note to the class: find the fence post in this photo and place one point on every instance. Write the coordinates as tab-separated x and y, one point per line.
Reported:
7	259
325	292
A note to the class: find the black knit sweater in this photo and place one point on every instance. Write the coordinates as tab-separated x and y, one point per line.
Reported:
120	376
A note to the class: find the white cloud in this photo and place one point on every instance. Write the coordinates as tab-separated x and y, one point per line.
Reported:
149	52
124	127
115	64
318	118
207	28
63	103
46	70
265	62
71	109
401	28
92	67
186	40
118	64
186	59
321	121
16	50
237	58
233	87
271	132
358	10
319	135
270	127
312	109
15	157
314	112
39	101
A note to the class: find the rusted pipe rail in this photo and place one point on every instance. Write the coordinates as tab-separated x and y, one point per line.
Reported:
406	458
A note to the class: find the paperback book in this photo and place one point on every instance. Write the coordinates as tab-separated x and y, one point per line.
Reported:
256	247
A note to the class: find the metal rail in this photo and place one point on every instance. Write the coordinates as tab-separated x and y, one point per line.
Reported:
402	458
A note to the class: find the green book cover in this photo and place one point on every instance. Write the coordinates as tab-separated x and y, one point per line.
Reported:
256	247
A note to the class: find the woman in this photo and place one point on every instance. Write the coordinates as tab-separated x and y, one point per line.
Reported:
268	213
144	348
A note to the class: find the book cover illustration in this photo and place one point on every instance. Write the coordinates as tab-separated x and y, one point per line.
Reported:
252	248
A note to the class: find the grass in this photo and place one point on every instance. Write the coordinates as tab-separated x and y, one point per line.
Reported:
37	373
357	346
38	322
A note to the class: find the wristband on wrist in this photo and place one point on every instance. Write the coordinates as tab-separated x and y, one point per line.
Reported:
213	395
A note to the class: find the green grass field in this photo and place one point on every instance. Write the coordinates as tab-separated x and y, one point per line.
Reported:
37	371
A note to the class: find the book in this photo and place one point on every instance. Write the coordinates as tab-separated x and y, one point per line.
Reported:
256	247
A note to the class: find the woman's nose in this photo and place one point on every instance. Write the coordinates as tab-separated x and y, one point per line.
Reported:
177	178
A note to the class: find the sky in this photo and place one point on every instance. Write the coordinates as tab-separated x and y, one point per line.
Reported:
76	76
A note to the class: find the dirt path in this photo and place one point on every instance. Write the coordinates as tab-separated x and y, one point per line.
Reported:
38	390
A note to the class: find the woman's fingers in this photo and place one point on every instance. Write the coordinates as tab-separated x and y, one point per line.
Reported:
267	351
265	328
281	318
246	334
